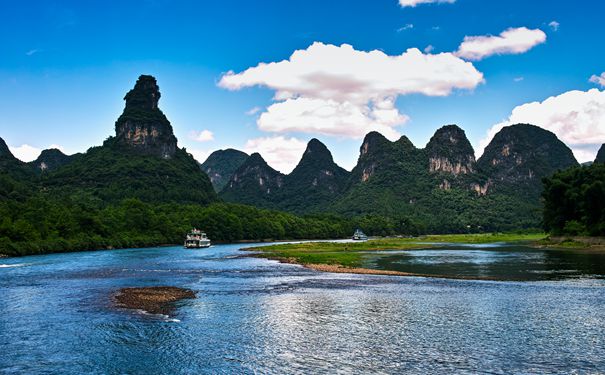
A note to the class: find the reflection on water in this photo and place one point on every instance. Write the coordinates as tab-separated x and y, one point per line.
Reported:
259	316
493	261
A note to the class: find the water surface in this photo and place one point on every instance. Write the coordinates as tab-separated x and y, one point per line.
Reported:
259	316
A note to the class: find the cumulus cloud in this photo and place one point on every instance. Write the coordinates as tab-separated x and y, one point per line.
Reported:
429	49
29	153
554	25
340	91
279	152
599	80
201	136
510	41
413	3
518	79
576	117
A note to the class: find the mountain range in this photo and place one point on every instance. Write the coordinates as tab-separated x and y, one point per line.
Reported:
439	188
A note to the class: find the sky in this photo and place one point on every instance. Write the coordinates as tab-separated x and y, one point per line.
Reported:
267	76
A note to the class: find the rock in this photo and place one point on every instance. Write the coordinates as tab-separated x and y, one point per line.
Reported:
154	300
142	126
449	151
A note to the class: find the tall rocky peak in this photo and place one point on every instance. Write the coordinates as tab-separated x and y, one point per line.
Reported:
50	159
142	126
524	152
601	155
450	151
372	143
317	170
221	165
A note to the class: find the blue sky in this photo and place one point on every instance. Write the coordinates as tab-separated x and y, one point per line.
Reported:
66	65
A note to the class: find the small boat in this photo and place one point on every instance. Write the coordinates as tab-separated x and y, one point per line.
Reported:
196	239
359	235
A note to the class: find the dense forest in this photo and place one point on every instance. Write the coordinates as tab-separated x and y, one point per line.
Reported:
574	201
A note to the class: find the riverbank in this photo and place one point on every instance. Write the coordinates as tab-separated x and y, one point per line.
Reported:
578	243
347	257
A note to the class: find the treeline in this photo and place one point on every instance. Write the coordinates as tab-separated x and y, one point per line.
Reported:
574	201
41	224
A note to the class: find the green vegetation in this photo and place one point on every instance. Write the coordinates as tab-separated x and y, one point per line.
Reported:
574	201
221	165
349	254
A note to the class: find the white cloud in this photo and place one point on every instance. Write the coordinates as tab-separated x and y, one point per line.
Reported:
201	136
518	79
510	41
252	111
554	25
29	153
599	80
405	27
32	52
576	117
429	49
329	117
413	3
279	152
340	91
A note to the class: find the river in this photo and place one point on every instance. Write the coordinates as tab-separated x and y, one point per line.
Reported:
258	316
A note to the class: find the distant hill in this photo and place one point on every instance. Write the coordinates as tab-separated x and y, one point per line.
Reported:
51	159
310	187
439	188
221	165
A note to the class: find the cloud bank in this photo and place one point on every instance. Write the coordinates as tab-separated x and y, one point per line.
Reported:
510	41
339	91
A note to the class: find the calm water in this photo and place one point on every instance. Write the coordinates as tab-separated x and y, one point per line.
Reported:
258	316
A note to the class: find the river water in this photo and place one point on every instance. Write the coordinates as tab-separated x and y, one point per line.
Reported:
258	316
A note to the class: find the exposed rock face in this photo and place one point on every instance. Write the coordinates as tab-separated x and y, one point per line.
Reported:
525	154
221	165
142	126
50	159
449	151
375	151
601	155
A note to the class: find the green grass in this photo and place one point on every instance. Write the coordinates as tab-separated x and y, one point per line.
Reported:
350	254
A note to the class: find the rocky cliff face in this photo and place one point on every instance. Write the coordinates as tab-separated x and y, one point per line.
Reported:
50	160
142	126
450	152
221	165
520	155
601	155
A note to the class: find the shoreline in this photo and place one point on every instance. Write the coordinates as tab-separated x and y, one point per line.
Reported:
338	268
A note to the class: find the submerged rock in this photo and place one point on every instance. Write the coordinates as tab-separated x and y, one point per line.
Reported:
154	300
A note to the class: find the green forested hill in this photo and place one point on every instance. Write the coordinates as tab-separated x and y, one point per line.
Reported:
221	165
601	155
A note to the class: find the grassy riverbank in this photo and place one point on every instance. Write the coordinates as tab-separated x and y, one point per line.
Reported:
349	254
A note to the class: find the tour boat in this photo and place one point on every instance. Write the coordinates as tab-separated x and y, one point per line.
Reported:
196	239
359	235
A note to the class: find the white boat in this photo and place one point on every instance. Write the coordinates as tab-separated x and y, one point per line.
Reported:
196	239
359	235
